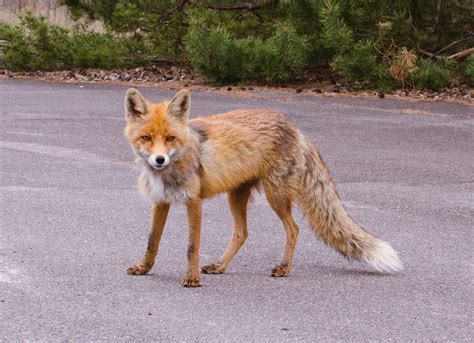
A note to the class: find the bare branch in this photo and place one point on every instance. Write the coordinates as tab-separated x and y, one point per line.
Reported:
249	6
167	15
462	54
471	36
457	56
427	53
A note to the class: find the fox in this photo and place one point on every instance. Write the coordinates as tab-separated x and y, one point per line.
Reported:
185	161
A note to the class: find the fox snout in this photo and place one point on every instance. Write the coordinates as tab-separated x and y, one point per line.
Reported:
158	161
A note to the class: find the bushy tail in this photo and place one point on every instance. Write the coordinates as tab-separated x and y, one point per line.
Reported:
330	221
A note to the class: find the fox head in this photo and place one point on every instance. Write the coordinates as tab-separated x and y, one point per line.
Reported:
157	132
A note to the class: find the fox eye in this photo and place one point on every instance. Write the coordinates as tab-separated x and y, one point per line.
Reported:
146	138
170	138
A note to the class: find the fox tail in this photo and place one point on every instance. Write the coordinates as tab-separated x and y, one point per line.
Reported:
330	221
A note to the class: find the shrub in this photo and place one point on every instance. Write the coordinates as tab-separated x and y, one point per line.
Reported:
336	37
360	64
222	58
16	52
284	55
470	69
431	75
34	44
213	53
94	50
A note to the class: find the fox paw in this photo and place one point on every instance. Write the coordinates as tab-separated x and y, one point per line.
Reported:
280	271
212	269
138	269
191	281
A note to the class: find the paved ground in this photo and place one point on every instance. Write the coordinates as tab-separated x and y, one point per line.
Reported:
72	222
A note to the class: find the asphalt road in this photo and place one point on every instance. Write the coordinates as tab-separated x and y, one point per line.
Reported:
72	221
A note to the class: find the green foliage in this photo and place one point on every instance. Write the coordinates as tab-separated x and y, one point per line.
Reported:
222	58
361	63
34	45
161	23
432	75
470	69
16	50
283	55
94	50
336	36
214	53
429	24
354	61
371	43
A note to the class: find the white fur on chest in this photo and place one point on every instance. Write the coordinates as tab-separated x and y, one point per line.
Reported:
153	187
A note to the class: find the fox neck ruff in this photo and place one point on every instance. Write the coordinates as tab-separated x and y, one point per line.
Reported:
175	183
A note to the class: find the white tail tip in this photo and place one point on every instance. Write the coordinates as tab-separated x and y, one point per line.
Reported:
383	258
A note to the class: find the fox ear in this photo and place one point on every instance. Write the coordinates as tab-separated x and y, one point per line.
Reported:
178	107
135	104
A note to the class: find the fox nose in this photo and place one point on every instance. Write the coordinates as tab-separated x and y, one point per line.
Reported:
160	159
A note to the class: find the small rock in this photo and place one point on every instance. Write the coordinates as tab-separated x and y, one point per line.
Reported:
229	89
317	90
250	88
381	95
299	90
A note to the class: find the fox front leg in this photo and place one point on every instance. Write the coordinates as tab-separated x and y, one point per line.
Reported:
159	215
192	277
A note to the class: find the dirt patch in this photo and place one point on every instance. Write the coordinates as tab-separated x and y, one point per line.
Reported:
169	76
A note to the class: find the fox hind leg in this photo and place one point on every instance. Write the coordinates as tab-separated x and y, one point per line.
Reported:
238	200
281	204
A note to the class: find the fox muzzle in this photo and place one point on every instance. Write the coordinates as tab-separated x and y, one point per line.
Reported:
158	161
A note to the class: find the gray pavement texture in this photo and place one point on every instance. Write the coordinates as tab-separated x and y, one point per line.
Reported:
72	221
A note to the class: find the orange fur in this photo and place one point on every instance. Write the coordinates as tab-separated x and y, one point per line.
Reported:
235	152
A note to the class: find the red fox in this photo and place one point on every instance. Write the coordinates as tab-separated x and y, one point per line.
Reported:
186	161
